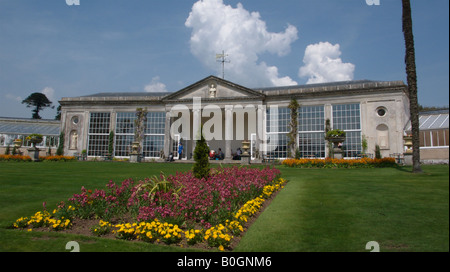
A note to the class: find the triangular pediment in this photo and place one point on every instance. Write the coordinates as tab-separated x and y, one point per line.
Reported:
214	88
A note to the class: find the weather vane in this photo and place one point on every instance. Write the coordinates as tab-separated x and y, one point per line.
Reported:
223	59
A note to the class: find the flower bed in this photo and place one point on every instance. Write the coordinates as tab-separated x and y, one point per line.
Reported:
58	158
16	158
22	158
340	163
178	209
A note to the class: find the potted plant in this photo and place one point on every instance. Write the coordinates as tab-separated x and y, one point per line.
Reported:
17	143
337	137
35	139
33	151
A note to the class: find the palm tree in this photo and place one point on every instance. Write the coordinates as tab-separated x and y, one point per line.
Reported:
410	61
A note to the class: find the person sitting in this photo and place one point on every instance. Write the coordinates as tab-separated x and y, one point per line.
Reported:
220	155
237	156
212	154
170	158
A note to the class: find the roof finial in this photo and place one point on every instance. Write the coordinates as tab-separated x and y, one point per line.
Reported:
222	58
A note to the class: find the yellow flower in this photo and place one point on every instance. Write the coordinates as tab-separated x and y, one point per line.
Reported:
221	248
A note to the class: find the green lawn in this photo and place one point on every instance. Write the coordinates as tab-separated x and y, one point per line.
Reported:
319	209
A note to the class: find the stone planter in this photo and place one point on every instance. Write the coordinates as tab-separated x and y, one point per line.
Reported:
34	153
408	144
134	155
245	147
337	150
17	143
245	156
336	141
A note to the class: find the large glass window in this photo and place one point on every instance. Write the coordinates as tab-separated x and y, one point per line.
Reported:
98	139
124	133
434	138
347	117
277	125
311	127
154	134
153	141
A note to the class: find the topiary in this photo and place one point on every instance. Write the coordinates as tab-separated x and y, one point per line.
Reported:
201	167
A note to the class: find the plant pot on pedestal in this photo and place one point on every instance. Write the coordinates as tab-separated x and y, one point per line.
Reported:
134	155
245	156
337	143
34	151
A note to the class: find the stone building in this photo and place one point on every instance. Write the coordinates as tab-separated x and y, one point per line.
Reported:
230	113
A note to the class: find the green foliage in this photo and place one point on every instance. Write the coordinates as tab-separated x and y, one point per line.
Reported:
60	150
364	144
8	150
201	167
335	133
377	152
156	184
111	143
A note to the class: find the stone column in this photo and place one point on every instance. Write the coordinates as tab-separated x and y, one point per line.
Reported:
167	139
196	127
228	130
260	132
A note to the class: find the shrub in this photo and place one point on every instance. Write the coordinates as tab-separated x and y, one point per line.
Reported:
201	167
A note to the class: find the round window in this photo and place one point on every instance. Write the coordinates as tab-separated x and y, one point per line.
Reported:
75	120
381	111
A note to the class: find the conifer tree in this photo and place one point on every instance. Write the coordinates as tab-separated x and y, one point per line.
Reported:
201	166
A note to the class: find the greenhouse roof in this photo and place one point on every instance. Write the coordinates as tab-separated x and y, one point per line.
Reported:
432	120
29	126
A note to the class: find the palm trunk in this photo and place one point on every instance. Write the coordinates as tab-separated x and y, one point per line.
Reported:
410	61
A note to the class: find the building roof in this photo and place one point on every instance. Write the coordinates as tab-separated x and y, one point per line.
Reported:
432	120
129	94
299	90
29	126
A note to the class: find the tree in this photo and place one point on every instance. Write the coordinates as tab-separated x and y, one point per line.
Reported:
201	166
39	101
410	61
60	150
58	113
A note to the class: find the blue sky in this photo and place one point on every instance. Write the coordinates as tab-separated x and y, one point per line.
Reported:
137	46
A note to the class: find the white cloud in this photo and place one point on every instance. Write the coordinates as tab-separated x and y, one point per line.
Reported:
14	97
155	86
322	63
49	93
244	37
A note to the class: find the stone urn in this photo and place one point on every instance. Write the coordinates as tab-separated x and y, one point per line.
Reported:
245	148
336	141
35	140
245	156
134	155
34	151
17	143
408	144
